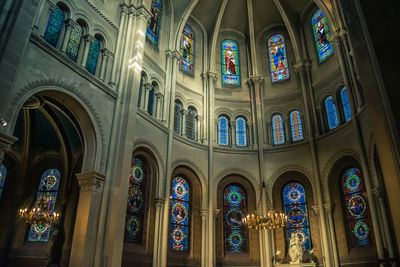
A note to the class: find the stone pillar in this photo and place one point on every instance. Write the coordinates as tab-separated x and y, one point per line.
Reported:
87	219
158	204
69	26
87	40
232	133
204	231
184	114
6	142
105	53
212	242
157	110
328	207
147	87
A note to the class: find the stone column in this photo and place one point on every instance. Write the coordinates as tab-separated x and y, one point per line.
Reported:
87	40
147	87
232	133
328	207
69	27
184	114
204	231
212	242
105	53
157	111
158	204
6	142
87	219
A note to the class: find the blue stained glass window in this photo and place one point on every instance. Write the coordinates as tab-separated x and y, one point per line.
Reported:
93	55
177	116
187	50
153	29
331	113
45	201
296	126
150	103
235	207
190	120
322	35
278	129
277	58
54	25
74	42
345	104
180	213
358	223
223	131
241	131
3	175
230	63
140	92
296	210
136	203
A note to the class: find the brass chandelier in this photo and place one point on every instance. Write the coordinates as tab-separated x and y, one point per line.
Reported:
42	214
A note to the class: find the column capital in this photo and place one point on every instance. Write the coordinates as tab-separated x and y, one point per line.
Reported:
106	52
88	38
216	212
158	202
315	209
256	80
143	13
212	76
301	66
124	9
204	212
69	22
90	181
173	54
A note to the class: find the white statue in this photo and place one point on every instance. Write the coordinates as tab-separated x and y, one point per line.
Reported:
295	249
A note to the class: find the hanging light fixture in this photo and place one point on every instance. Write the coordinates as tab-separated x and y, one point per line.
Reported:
269	221
41	214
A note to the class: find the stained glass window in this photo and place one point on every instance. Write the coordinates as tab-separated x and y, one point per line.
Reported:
136	204
294	200
230	63
177	116
235	207
331	113
296	126
187	50
278	129
153	29
74	42
140	91
93	55
345	104
46	201
180	213
3	175
356	208
150	103
277	58
241	131
322	35
223	130
54	25
190	120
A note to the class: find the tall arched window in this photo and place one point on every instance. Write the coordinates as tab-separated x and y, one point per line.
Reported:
93	55
235	208
296	210
331	113
322	35
3	175
137	200
358	224
190	123
150	103
46	201
74	42
187	50
223	130
277	58
54	26
140	91
180	213
345	104
296	126
177	117
230	63
278	129
153	30
241	131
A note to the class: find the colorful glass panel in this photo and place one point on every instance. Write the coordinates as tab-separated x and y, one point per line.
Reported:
345	104
177	116
331	113
223	131
187	50
241	132
93	55
45	201
356	208
296	126
230	63
235	232
277	57
140	92
54	25
150	103
278	130
74	42
322	35
180	212
190	119
296	210
136	203
153	29
3	175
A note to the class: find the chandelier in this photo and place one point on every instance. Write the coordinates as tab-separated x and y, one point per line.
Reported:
42	214
271	220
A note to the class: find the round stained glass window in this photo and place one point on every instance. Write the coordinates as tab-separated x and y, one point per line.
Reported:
234	218
294	195
137	174
234	197
135	199
133	226
235	239
361	231
356	205
353	182
179	212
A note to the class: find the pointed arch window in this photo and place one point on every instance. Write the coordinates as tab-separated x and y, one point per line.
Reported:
187	50
54	26
235	232
3	175
344	97
296	210
277	58
190	123
278	129
93	55
331	113
137	201
180	213
357	210
177	117
74	42
223	131
230	63
296	126
46	201
241	131
322	35
153	29
150	103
